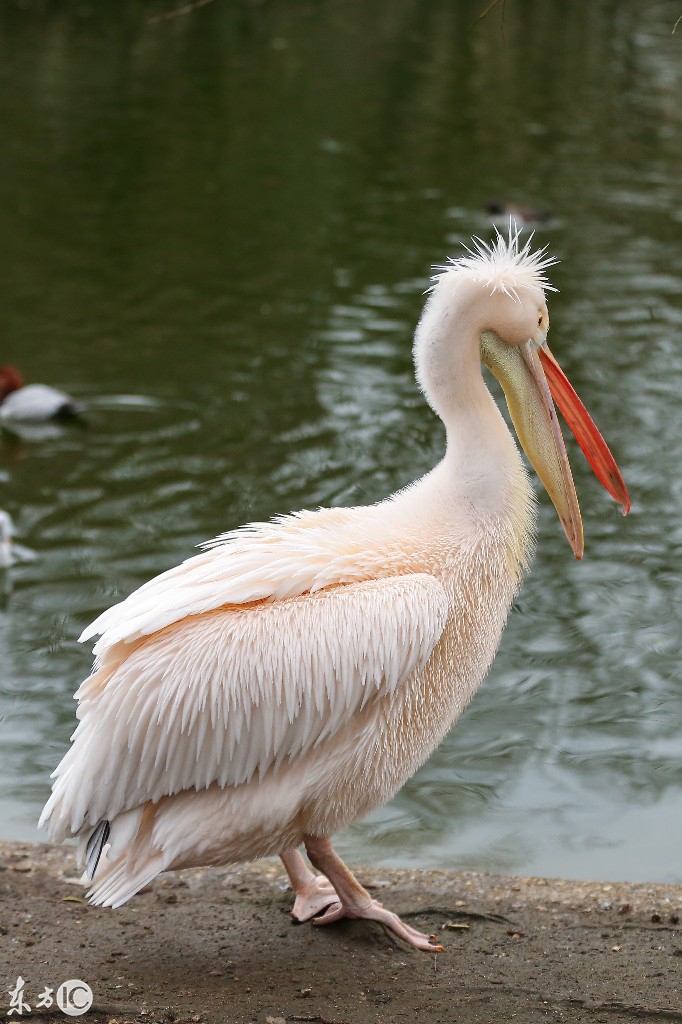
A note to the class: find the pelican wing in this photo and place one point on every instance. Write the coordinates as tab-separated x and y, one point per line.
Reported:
238	692
291	555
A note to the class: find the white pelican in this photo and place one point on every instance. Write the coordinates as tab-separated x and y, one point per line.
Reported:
32	402
269	691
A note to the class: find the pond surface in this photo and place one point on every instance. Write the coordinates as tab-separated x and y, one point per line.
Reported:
217	230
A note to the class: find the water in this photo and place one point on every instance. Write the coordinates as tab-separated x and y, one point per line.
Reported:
217	230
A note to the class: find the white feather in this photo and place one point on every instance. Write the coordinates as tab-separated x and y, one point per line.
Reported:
265	561
34	402
167	736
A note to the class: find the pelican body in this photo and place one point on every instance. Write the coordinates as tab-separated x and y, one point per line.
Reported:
291	677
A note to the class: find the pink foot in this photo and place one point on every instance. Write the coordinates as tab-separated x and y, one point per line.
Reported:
374	911
313	898
313	892
354	901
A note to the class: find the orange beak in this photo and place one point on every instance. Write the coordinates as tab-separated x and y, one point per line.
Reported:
533	381
584	430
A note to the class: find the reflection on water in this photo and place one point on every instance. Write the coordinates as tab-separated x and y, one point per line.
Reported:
220	231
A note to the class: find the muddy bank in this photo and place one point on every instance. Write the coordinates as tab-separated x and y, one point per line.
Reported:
219	946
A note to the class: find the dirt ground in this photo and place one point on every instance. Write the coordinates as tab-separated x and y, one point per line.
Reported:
219	946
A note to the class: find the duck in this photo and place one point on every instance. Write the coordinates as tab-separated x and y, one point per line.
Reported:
521	215
33	402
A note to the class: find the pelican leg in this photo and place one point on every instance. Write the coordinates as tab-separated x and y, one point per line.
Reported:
353	900
314	893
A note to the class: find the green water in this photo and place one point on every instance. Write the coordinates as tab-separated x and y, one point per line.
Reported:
217	230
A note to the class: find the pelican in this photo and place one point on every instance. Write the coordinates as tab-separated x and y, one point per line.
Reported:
32	402
291	677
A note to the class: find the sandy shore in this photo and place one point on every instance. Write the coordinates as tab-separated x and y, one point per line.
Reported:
219	946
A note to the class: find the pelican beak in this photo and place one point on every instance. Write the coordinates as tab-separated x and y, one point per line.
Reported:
531	378
584	430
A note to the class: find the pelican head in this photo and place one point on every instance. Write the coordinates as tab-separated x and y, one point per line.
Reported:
489	306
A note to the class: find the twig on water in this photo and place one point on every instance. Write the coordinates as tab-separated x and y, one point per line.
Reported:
178	12
488	9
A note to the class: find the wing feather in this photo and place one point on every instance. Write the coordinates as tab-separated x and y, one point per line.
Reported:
234	694
292	555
